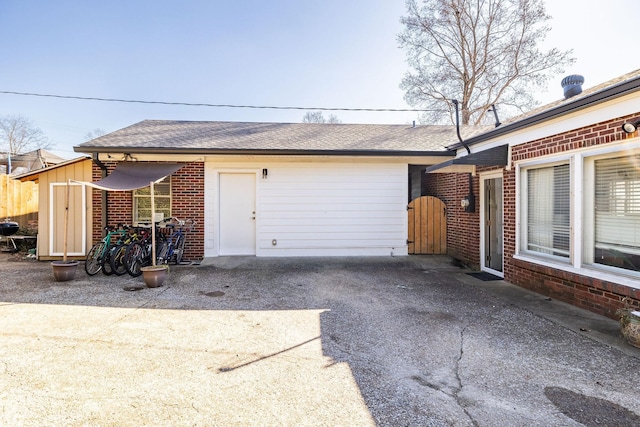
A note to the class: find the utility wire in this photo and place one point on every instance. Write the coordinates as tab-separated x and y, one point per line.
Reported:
189	104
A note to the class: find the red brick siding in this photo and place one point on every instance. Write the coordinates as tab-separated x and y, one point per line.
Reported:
597	134
463	233
586	292
463	229
592	294
509	224
187	202
96	206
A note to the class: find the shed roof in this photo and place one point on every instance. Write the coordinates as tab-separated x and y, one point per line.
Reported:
34	174
168	136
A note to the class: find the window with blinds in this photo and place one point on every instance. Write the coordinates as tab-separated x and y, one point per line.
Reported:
548	210
142	201
617	212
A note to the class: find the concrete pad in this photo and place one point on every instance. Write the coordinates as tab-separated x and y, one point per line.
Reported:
332	341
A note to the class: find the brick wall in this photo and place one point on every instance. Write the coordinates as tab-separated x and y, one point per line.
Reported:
592	294
463	229
187	202
463	233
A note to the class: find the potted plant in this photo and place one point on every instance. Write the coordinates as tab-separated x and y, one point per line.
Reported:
65	270
154	275
630	323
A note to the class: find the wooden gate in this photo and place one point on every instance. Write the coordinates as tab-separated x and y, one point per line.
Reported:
427	226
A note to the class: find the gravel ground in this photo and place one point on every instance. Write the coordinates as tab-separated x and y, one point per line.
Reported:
408	342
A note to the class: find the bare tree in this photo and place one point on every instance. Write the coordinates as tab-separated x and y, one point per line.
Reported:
318	117
97	132
480	52
18	134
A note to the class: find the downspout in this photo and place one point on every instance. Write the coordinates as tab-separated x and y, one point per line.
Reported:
455	102
469	202
104	214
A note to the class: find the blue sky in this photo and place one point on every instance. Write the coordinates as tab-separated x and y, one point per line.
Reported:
330	53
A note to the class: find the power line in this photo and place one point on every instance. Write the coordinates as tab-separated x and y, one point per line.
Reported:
190	104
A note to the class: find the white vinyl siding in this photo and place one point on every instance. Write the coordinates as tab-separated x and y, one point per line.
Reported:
326	209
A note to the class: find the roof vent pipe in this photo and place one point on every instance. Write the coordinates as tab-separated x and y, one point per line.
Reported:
572	85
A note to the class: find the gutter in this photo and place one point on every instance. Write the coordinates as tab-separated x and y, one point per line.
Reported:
613	92
104	212
223	151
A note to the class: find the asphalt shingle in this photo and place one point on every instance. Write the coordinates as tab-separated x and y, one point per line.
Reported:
166	135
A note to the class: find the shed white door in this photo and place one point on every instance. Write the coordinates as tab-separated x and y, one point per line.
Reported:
237	214
76	234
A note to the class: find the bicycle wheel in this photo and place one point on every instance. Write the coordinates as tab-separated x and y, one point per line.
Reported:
163	252
134	259
179	249
117	260
93	262
106	261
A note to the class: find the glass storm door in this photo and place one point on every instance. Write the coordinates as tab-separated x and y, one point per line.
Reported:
493	224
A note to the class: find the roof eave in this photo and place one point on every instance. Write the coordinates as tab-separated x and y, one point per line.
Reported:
220	151
599	97
27	176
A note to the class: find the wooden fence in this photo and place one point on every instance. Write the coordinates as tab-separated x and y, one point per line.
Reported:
19	201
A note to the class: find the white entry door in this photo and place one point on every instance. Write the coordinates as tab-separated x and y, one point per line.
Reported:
237	214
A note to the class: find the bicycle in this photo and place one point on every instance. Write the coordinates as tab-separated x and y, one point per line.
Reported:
117	253
99	252
173	247
138	254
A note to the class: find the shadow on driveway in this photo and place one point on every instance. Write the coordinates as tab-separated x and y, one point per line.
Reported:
408	341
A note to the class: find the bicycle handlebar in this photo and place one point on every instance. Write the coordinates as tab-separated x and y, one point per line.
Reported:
174	221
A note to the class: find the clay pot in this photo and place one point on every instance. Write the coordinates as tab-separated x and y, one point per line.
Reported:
631	329
64	271
153	276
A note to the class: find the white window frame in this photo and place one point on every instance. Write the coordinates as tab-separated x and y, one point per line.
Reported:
522	211
136	197
582	219
589	215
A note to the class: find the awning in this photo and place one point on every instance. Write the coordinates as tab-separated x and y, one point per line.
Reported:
496	156
129	176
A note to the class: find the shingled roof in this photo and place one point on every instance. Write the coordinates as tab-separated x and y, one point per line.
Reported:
168	136
620	86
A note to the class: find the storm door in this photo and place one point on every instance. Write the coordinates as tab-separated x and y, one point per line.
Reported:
493	222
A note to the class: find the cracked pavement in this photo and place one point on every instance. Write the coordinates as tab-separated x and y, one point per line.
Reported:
318	342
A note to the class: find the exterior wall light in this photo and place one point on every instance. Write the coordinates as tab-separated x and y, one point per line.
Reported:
631	127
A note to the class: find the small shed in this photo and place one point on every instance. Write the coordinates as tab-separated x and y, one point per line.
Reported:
52	182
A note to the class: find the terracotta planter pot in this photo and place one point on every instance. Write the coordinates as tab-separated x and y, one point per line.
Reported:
631	329
154	276
64	271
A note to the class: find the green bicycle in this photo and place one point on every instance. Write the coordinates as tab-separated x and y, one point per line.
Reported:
99	253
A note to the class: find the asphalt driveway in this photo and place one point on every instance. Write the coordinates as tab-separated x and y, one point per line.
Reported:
409	341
